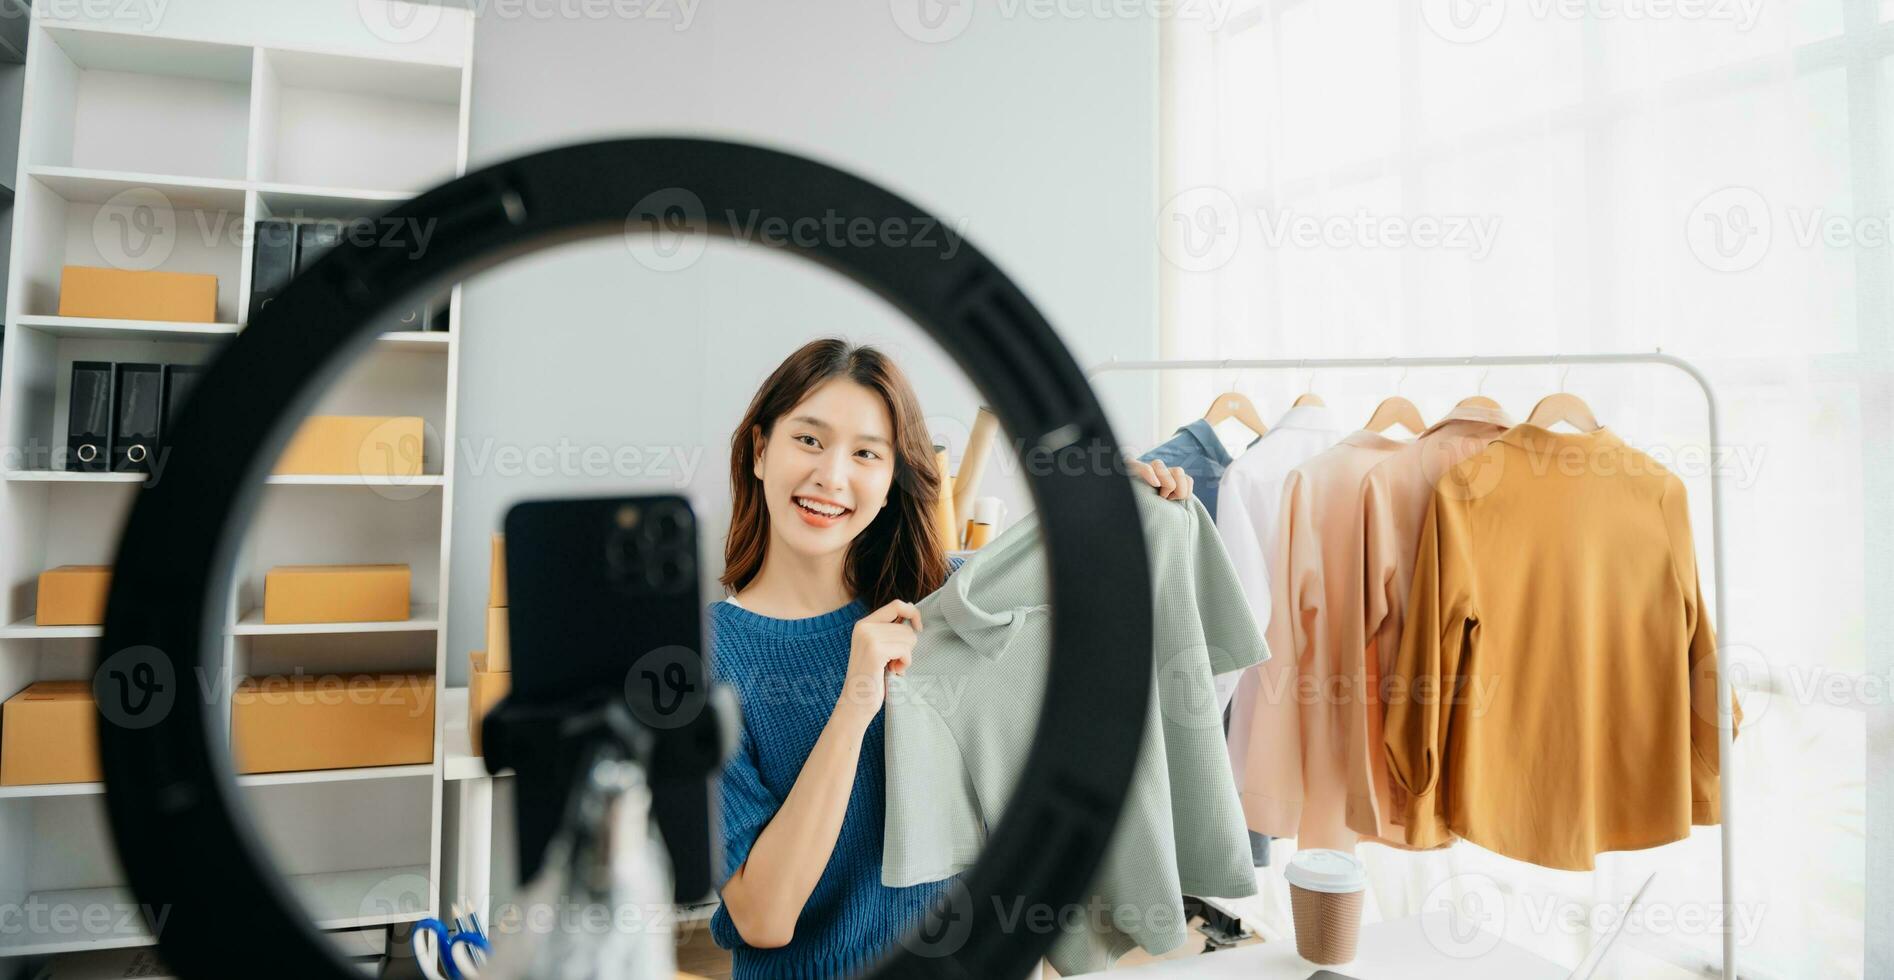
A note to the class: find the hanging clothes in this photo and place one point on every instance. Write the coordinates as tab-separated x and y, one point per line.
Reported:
1394	499
1293	773
1196	450
1251	503
960	722
1558	661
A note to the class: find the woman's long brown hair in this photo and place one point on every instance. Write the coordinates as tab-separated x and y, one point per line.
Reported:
900	554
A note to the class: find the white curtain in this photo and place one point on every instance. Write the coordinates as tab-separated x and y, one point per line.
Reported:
1708	177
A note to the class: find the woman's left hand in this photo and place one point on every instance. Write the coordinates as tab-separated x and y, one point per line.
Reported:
1171	481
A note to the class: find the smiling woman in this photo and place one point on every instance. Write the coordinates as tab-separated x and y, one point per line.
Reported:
832	541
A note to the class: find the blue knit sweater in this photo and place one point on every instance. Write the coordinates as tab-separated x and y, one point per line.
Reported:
788	674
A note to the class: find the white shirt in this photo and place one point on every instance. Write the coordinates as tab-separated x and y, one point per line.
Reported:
1249	503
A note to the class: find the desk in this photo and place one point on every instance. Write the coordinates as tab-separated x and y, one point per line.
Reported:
1396	950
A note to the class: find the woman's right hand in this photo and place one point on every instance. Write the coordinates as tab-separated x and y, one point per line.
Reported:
883	641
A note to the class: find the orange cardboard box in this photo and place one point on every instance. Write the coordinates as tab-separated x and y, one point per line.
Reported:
485	688
335	594
355	445
496	572
293	724
49	733
73	595
129	294
499	648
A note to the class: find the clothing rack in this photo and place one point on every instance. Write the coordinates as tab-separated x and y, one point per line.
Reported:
1725	729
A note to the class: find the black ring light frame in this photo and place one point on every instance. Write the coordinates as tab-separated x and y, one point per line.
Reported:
185	847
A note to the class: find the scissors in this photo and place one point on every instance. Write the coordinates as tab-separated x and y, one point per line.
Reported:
455	953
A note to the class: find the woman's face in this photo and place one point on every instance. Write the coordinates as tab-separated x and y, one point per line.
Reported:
827	467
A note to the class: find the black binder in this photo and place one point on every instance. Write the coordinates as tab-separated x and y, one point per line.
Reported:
139	391
313	239
274	263
89	417
178	379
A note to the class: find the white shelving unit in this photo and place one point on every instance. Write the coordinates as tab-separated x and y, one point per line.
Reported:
205	124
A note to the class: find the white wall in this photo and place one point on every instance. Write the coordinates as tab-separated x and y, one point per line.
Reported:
1038	136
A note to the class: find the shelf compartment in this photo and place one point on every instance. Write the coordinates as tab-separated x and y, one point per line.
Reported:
113	99
70	217
28	629
82	186
259	779
425	619
334	121
333	900
105	329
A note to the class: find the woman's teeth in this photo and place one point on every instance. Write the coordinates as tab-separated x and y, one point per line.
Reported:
816	507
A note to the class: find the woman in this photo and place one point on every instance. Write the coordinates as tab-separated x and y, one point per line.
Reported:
831	541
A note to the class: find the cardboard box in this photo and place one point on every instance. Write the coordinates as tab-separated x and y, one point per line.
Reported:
335	594
355	445
496	572
73	595
129	294
485	688
49	733
297	723
499	648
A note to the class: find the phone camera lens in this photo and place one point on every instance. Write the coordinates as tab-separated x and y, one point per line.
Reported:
668	525
670	572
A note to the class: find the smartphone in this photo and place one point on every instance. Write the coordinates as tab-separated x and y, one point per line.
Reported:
603	602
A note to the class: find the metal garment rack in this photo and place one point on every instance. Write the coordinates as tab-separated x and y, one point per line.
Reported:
1724	726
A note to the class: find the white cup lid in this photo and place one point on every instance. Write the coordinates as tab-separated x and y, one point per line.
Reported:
1322	870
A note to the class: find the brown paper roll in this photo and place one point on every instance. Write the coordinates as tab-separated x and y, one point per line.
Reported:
973	462
944	523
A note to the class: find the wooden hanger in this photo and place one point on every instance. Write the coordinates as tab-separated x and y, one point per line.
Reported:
1477	400
1563	407
1309	397
1234	404
1396	411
